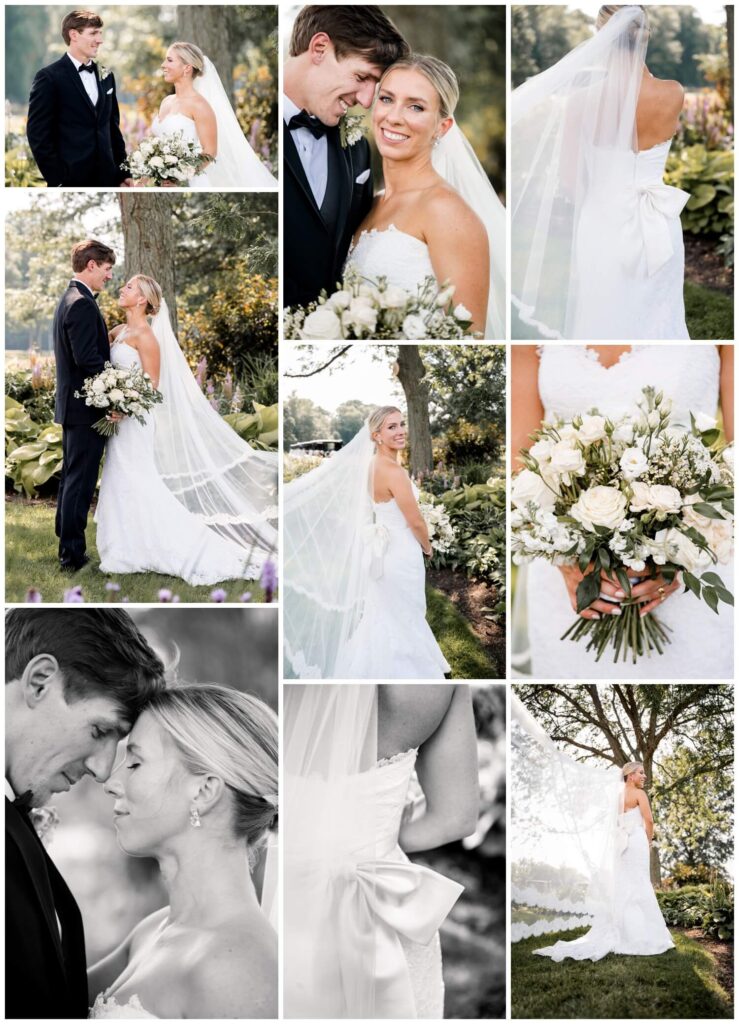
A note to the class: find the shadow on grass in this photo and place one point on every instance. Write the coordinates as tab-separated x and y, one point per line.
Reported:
709	314
464	652
681	983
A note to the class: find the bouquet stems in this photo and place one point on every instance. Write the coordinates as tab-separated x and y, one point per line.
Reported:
630	632
106	427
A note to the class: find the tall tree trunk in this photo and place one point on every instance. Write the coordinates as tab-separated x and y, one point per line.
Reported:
208	28
655	865
730	43
412	376
148	240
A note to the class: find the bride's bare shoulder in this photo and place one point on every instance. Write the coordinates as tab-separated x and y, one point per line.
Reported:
446	210
668	91
219	985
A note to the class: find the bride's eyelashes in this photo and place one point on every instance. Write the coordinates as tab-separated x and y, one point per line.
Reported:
386	98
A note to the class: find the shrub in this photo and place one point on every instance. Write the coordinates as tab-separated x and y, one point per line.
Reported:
260	428
709	907
34	389
33	452
256	109
709	177
704	121
297	465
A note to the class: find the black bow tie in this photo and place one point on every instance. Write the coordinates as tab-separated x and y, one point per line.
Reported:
87	67
303	120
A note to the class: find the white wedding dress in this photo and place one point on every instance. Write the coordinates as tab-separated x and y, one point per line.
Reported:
180	124
108	1009
393	640
572	380
360	905
141	526
401	258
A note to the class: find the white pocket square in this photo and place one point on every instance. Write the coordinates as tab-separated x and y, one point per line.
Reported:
109	92
362	177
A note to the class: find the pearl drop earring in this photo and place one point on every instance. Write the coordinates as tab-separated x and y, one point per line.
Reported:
195	817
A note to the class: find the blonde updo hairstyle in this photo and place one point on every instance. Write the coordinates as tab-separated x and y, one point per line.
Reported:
232	735
607	11
439	74
627	769
190	54
377	418
151	291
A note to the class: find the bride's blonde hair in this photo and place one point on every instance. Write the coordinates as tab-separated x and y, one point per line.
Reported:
151	291
629	768
607	11
190	54
439	74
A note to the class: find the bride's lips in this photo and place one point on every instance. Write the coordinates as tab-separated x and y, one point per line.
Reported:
393	138
119	814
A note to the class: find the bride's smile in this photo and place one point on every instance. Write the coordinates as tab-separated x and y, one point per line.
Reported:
407	115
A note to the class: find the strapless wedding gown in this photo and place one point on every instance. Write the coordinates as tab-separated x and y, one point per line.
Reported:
393	639
636	926
108	1009
401	258
184	125
361	920
629	257
141	526
572	380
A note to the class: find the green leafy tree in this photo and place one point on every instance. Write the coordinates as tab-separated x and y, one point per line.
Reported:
349	418
303	420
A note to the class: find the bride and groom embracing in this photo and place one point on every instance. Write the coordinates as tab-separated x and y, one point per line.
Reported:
197	791
73	125
438	216
181	493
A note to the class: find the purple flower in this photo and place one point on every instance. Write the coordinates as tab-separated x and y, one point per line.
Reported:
268	579
112	587
200	372
245	597
33	596
164	596
218	596
74	596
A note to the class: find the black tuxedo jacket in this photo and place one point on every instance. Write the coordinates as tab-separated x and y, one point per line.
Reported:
45	975
81	348
315	250
75	142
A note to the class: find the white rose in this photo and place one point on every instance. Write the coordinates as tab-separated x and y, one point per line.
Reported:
592	429
566	461
339	300
541	450
528	486
683	551
600	506
462	313
567	432
414	328
633	463
368	291
665	499
728	456
170	159
395	298
704	422
639	496
360	315
321	324
445	296
720	537
116	395
98	385
156	161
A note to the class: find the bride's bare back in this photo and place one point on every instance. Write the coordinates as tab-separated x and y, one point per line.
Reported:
657	110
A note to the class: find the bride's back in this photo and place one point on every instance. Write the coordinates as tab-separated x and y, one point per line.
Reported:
657	110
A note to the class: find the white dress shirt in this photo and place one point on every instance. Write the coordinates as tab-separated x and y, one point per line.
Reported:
90	81
313	152
9	792
86	286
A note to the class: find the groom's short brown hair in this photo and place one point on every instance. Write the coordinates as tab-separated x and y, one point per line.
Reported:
79	20
364	30
88	250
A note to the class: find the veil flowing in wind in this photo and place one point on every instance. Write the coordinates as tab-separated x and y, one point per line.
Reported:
236	163
455	160
573	154
216	475
326	515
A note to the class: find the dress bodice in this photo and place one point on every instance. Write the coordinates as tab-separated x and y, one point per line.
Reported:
572	379
107	1008
388	513
612	168
175	123
401	258
123	355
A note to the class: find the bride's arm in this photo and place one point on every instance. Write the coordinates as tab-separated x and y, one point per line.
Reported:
399	485
458	248
447	772
148	349
527	411
646	813
727	390
207	129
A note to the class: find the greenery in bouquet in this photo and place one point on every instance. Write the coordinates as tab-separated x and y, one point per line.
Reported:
128	392
635	494
170	158
379	310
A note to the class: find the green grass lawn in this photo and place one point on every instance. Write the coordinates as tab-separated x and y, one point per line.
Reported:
709	314
31	561
461	648
679	984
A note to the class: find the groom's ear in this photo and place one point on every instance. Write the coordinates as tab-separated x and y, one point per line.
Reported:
319	46
39	675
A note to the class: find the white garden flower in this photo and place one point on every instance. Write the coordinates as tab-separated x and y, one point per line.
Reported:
727	456
633	463
600	506
660	498
566	461
395	298
681	550
321	325
445	296
414	328
339	300
361	315
529	487
704	422
462	313
592	429
158	162
624	432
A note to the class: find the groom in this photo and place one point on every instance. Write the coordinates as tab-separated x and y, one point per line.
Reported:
337	57
75	681
81	348
73	120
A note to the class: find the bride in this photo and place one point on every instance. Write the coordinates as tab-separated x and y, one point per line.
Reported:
593	834
197	791
438	215
560	382
354	578
181	495
201	111
596	242
361	919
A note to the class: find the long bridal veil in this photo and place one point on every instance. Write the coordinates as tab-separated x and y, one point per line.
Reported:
572	126
564	845
455	160
327	520
236	163
216	475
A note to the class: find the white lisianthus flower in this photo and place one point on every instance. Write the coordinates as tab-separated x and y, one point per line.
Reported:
633	463
600	506
368	291
683	551
592	429
665	499
394	297
445	296
624	432
321	325
462	313
566	461
528	487
727	456
541	450
414	327
653	419
704	422
339	300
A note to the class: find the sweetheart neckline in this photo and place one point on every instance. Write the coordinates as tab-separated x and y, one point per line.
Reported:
161	120
384	231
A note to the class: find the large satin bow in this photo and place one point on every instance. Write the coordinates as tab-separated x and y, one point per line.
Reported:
624	830
651	208
379	901
376	539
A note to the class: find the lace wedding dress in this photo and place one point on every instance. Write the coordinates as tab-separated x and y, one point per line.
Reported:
141	526
401	258
180	124
572	380
108	1009
361	920
394	609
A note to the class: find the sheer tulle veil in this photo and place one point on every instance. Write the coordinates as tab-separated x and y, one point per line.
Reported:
236	162
216	475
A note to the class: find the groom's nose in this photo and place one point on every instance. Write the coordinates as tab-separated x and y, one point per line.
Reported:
366	93
100	764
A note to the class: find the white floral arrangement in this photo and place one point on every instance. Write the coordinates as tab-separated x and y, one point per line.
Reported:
632	494
367	309
436	517
170	157
351	130
129	392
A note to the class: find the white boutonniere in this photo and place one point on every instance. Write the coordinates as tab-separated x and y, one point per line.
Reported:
103	72
44	821
351	130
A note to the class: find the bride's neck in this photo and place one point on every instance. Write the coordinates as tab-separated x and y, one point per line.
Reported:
184	88
207	880
407	175
135	318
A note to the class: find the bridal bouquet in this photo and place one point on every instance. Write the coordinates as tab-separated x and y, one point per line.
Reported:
436	517
126	391
170	157
363	309
635	493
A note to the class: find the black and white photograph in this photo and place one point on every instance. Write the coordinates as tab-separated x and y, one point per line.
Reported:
141	812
